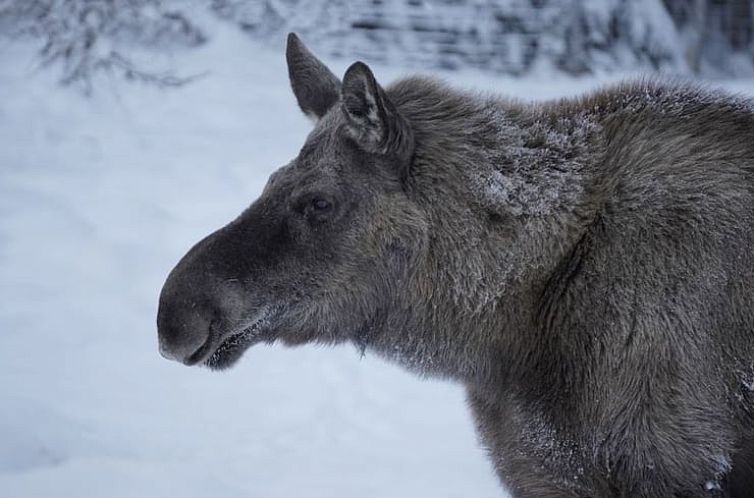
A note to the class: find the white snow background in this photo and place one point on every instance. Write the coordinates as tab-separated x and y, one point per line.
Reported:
99	198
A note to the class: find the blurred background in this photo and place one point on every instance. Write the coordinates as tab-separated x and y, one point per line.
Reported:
129	129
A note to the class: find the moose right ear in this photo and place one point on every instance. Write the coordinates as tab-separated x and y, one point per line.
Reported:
316	88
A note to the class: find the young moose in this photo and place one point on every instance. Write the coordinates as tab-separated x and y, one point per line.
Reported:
585	268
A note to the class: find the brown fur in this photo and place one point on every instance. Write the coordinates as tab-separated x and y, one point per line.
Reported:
584	267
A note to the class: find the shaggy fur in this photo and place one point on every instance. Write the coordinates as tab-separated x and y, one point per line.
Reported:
584	267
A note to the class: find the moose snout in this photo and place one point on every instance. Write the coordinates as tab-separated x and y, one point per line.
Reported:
183	328
211	290
188	305
199	299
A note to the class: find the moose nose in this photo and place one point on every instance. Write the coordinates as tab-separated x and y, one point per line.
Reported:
183	328
198	293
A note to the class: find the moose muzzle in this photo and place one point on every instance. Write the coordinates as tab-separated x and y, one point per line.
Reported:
191	305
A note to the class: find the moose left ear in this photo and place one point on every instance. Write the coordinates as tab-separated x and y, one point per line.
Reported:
372	120
316	88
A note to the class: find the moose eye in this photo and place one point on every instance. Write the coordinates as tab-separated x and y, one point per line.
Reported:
314	207
321	205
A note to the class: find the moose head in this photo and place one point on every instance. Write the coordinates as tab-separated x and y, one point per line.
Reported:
321	254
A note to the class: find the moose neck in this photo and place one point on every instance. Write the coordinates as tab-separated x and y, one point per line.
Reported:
509	193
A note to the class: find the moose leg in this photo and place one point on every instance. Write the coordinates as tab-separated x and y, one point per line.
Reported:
534	461
740	480
533	486
524	475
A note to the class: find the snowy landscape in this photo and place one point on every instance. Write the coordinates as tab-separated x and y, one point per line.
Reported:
100	195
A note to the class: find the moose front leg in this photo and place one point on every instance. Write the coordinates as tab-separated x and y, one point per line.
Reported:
513	445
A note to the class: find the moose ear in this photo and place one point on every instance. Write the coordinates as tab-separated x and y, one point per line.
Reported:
373	121
315	87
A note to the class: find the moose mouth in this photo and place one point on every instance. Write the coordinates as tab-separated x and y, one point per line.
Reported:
223	349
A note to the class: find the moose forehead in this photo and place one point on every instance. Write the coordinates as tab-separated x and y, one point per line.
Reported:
329	151
324	141
327	161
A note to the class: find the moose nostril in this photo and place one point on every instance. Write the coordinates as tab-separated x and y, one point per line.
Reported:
182	330
165	351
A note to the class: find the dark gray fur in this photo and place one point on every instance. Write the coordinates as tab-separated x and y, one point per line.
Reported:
584	267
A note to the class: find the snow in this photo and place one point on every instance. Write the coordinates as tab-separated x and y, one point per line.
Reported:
513	36
99	198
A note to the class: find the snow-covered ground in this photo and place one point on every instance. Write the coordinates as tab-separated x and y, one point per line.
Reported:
98	199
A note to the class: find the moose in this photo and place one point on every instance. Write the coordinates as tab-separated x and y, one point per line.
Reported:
584	267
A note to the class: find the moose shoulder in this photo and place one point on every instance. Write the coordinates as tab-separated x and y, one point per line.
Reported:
585	268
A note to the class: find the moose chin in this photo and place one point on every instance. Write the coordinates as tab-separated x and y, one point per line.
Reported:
583	267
